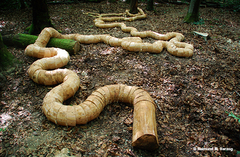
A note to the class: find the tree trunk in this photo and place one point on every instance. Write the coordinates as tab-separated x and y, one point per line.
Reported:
22	4
128	1
41	18
23	40
5	56
193	12
149	5
133	6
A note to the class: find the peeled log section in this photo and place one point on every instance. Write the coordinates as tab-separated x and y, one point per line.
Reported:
171	41
23	40
144	122
144	125
130	43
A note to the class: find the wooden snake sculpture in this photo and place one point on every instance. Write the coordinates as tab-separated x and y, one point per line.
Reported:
144	126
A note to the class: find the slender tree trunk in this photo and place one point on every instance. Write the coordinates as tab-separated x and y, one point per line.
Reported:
22	4
41	18
6	57
149	5
193	12
133	6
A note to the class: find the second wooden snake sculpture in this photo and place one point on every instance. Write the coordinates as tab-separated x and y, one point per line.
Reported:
144	126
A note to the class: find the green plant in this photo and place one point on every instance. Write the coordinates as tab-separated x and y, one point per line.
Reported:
234	116
3	129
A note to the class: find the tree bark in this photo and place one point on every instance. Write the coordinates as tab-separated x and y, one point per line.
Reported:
23	40
41	18
133	6
150	5
5	56
193	12
128	1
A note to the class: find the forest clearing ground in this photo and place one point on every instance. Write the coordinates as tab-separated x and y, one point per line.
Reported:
192	94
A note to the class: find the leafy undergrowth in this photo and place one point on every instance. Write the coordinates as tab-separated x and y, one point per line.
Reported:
194	96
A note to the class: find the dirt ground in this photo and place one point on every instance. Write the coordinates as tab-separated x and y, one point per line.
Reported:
193	95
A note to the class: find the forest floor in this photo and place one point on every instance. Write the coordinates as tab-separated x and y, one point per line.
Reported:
193	96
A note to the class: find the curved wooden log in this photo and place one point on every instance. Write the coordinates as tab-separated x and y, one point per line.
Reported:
144	122
144	127
174	46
